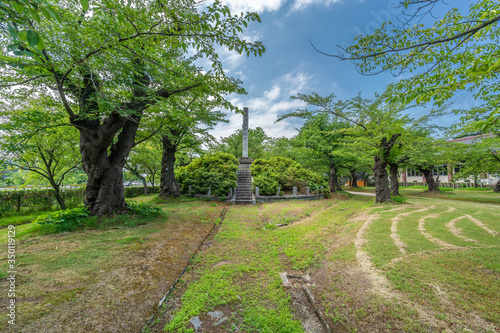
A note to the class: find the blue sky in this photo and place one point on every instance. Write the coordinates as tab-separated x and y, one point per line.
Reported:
290	65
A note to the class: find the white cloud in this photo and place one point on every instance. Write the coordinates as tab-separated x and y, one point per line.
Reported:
232	60
265	109
301	4
258	6
273	93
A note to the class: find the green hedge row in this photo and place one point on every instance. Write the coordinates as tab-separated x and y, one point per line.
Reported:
12	202
284	172
217	171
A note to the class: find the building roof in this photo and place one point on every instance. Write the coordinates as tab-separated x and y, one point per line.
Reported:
470	139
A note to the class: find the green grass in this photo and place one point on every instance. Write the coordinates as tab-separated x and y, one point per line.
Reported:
256	256
450	282
19	219
57	268
481	195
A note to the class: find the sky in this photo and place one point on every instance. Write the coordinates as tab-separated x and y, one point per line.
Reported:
290	65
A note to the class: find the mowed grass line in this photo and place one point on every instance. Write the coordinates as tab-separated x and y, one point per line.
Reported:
379	242
451	283
240	271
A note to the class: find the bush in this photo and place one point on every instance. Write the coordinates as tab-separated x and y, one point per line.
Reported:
142	209
398	199
217	171
12	202
64	220
266	184
132	192
287	174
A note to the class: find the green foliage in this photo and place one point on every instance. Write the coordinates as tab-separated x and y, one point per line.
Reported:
132	192
440	55
63	220
267	184
258	143
287	173
12	202
398	199
142	209
217	171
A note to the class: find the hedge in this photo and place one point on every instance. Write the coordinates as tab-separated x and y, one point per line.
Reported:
12	202
217	171
284	172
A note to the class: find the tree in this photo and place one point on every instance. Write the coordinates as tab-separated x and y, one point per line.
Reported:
115	60
145	159
187	126
324	138
454	52
479	157
427	154
378	128
233	144
51	153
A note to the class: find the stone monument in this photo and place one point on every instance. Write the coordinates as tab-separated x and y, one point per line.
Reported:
244	189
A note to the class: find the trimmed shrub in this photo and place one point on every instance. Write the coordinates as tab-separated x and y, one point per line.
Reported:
284	172
217	171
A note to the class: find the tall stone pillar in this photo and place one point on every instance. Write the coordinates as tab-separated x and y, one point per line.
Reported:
244	190
245	132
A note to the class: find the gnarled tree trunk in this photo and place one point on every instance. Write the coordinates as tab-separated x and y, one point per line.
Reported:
168	186
393	169
333	180
432	185
105	190
382	190
497	187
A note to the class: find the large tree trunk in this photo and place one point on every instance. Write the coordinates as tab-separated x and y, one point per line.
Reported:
333	180
105	190
168	183
497	187
393	167
432	185
382	190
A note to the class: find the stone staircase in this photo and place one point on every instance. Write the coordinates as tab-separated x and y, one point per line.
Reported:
244	189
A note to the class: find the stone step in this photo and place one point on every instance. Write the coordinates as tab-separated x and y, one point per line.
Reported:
244	202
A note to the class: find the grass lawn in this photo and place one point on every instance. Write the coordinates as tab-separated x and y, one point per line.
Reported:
428	288
103	280
484	195
430	265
